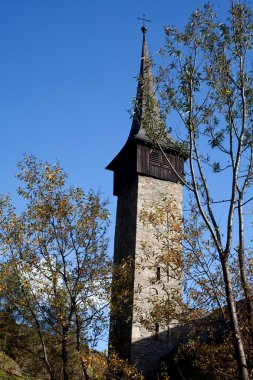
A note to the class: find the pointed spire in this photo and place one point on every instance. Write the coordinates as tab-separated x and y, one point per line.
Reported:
146	111
147	126
144	76
145	61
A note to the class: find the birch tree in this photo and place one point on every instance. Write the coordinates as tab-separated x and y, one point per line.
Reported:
205	86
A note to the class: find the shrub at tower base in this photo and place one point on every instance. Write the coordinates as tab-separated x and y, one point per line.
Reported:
55	272
206	91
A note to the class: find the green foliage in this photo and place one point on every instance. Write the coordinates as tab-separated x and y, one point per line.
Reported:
6	376
10	370
9	365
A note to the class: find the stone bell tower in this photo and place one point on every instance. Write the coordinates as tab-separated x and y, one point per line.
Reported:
143	173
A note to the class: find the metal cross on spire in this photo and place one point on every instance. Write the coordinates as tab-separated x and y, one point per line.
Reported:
143	19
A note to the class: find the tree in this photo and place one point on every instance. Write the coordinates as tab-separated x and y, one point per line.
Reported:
55	272
206	88
196	315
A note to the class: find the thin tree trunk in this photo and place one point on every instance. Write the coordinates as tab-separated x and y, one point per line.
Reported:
50	370
41	338
235	328
241	257
64	352
78	347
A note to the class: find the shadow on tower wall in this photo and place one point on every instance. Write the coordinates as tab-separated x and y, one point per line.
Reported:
159	355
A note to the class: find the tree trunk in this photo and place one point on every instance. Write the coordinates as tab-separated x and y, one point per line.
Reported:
65	357
85	374
78	346
235	329
241	257
39	332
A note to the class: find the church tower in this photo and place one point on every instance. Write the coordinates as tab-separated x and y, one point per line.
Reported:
144	172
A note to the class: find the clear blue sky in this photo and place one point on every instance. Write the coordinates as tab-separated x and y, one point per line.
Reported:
67	78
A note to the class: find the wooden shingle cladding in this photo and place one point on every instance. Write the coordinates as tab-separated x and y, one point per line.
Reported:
136	158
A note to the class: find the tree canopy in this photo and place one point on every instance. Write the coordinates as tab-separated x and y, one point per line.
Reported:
55	271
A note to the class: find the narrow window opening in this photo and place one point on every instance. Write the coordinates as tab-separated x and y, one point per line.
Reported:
157	330
168	273
158	273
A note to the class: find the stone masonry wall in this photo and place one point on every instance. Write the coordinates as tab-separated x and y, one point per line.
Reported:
128	334
149	346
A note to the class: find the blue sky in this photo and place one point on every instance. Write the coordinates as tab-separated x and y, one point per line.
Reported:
67	78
